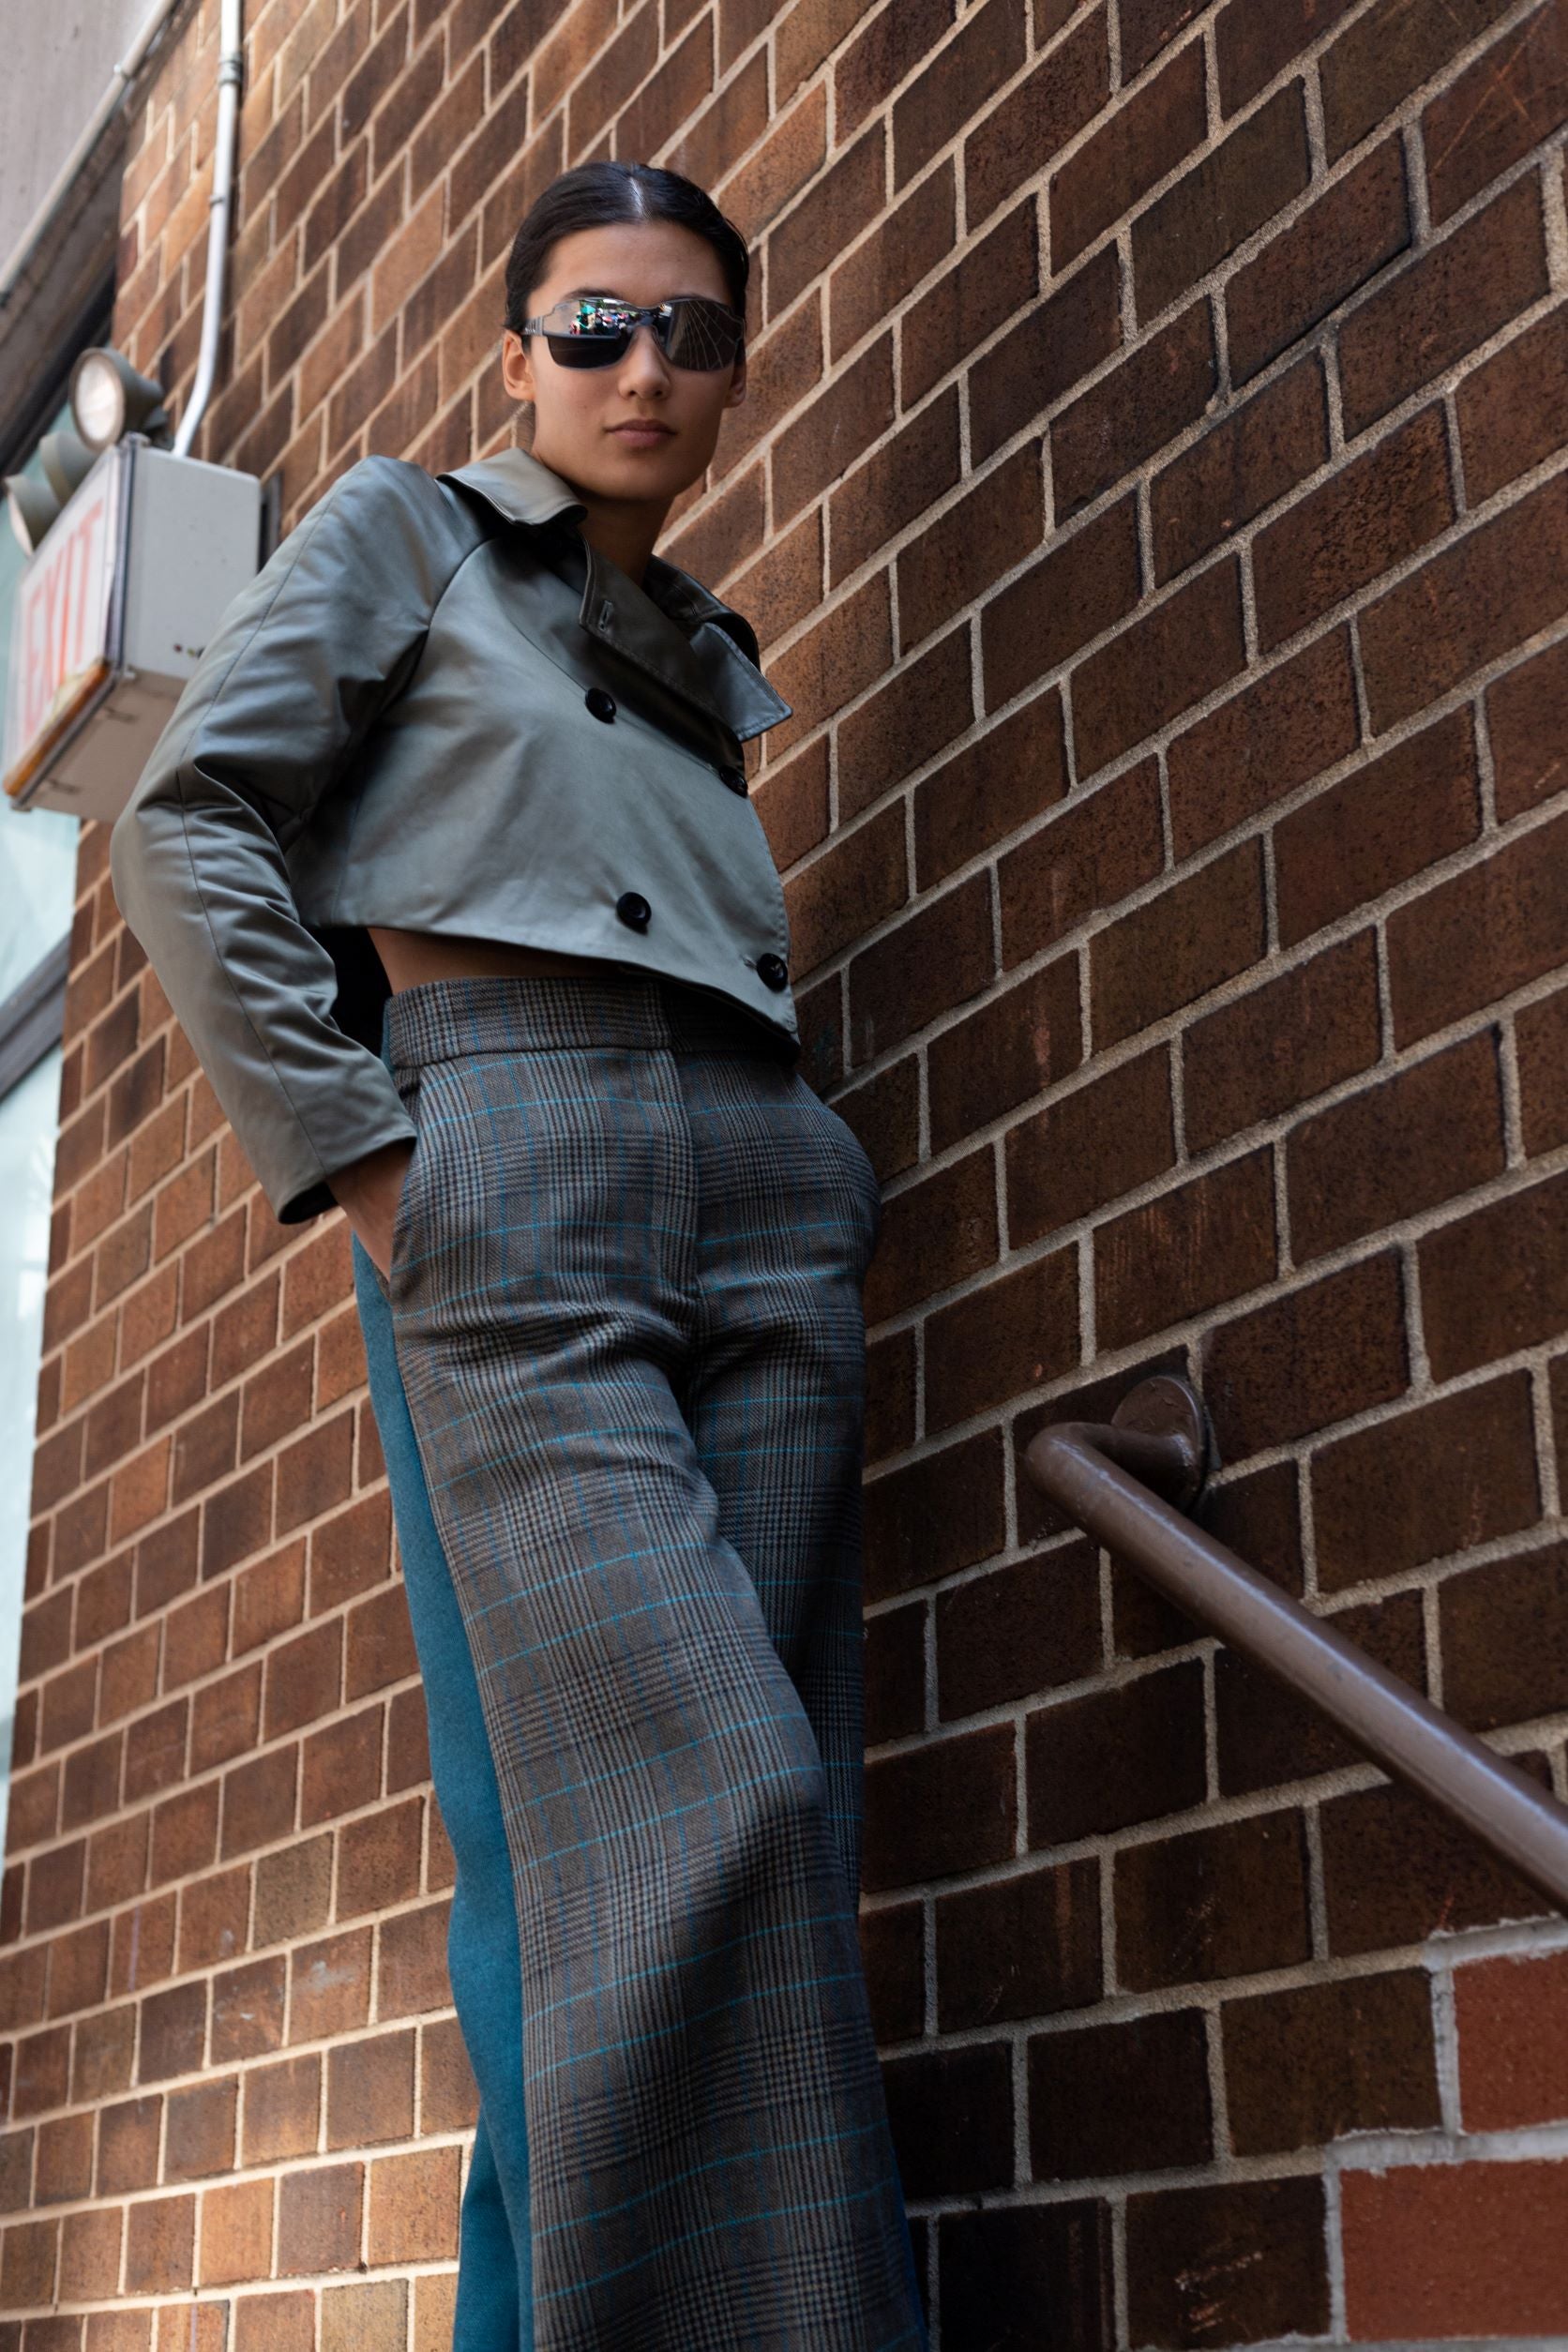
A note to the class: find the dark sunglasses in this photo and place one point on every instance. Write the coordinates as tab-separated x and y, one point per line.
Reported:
594	330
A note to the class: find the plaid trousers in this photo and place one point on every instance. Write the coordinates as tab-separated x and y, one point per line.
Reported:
619	1373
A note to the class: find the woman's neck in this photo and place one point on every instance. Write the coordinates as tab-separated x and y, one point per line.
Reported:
627	530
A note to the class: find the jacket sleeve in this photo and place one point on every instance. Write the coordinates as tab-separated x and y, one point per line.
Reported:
302	661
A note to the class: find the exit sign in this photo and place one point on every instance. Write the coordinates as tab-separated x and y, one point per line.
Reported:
110	617
63	653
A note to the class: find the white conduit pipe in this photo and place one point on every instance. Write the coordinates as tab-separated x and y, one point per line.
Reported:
230	67
103	114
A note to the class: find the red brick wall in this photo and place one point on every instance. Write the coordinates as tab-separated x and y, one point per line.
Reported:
1152	496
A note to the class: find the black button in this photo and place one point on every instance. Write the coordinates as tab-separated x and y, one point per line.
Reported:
600	702
634	910
773	972
735	777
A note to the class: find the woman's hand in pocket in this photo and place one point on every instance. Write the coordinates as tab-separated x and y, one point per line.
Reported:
368	1190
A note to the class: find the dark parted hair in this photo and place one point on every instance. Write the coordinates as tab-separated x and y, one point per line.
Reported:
599	196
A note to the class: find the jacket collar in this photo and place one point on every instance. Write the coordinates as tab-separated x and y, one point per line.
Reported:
518	488
710	655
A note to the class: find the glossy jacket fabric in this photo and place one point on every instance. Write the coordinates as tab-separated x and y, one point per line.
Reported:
438	708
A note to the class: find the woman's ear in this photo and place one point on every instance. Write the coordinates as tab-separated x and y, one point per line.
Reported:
517	368
736	393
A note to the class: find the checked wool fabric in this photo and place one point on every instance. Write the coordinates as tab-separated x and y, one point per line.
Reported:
624	1297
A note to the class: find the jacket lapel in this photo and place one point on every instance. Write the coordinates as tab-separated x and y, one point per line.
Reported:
672	628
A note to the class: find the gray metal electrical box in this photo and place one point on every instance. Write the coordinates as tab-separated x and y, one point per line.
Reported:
112	616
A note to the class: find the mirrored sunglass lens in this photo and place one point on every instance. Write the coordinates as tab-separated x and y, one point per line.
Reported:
587	351
593	318
587	334
701	335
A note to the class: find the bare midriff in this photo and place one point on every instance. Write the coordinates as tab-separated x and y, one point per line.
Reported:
409	957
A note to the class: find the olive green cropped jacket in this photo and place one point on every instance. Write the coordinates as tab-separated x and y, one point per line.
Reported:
439	708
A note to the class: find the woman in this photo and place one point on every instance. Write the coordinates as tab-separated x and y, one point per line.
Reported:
608	1251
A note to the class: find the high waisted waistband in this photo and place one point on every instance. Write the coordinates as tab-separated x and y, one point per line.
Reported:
439	1020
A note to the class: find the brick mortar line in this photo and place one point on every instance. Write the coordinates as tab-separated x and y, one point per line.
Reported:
1557	228
1286	1265
1414	1304
375	1917
276	2170
1414	147
1537	163
1106	1589
1345	2153
965	242
1445	2045
1036	186
1219	2104
1120	2277
1018	2089
1515	1149
1306	1511
1521	1939
223	2295
1370	914
1320	1941
213	2071
1374	2151
1545	1443
1431	1636
1320	166
1113	47
1215	125
1448	407
1333	2227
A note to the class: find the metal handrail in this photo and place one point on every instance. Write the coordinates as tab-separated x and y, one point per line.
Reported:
1159	1439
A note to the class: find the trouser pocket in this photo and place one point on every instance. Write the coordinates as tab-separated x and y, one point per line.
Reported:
404	1216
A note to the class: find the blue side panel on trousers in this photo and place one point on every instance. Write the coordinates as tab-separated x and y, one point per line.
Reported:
494	2310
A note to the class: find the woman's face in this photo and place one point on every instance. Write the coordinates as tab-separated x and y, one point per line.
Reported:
640	428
